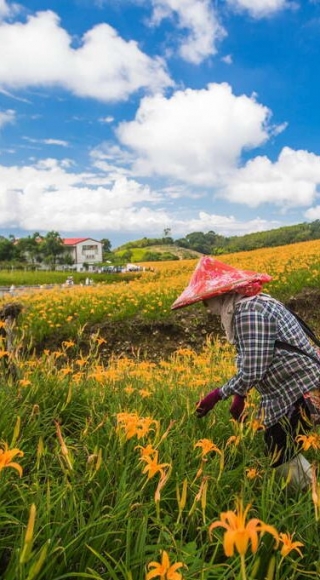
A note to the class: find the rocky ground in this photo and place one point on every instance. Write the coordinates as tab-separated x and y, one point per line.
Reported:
185	328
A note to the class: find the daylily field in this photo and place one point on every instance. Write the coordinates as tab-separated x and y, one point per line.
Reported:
106	472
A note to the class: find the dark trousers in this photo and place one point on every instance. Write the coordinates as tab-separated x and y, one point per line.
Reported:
280	437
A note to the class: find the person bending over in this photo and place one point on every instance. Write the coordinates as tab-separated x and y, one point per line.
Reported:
274	356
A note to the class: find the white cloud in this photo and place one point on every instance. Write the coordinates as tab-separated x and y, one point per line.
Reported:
195	136
108	119
199	19
227	59
224	225
12	96
136	221
313	213
261	8
49	196
7	10
59	142
103	66
6	117
4	9
111	159
173	192
289	182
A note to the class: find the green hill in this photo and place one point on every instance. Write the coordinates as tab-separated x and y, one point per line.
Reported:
210	243
154	253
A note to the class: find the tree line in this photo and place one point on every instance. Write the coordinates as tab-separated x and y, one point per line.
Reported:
37	249
34	249
50	250
214	244
211	243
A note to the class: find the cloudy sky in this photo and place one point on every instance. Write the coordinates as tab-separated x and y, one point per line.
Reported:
122	118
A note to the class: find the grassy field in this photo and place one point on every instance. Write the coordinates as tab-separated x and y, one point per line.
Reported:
106	473
49	278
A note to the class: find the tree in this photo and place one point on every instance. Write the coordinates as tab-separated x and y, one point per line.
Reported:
66	259
198	241
127	255
30	248
52	247
8	250
106	245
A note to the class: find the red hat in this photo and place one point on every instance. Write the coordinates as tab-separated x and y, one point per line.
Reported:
212	278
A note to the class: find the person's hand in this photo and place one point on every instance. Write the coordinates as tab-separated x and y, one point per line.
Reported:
237	407
204	406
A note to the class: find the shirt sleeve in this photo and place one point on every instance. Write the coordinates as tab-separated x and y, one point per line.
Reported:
255	335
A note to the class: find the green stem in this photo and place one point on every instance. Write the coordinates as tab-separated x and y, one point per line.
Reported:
243	567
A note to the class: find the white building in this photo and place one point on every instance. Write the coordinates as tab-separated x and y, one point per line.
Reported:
84	251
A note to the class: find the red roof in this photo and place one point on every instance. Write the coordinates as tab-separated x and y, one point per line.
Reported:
74	241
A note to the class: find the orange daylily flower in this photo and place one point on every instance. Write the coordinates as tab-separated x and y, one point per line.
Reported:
6	456
4	353
165	570
207	446
133	425
307	441
144	393
146	451
255	425
68	343
81	362
153	466
24	382
65	371
239	533
253	473
288	545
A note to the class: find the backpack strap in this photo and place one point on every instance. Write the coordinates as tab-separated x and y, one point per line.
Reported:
292	347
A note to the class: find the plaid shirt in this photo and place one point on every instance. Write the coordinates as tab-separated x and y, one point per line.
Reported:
280	376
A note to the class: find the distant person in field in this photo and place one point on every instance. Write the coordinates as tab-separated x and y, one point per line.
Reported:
274	356
8	317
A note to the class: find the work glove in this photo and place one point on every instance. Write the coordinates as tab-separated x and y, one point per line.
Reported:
237	407
204	406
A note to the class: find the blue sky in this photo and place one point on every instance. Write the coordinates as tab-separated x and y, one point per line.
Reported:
121	119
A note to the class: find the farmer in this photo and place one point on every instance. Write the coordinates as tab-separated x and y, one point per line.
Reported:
286	377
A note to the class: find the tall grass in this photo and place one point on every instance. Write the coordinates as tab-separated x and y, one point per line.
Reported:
96	512
47	278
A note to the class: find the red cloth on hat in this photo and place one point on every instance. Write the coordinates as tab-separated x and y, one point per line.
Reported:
212	278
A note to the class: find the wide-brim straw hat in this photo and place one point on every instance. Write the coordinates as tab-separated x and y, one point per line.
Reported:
212	278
